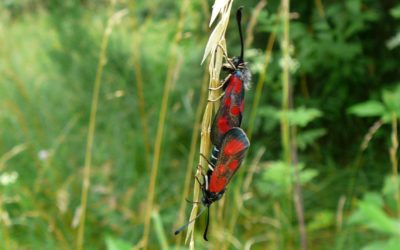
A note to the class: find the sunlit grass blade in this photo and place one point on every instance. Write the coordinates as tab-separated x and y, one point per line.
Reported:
158	225
214	47
289	131
172	71
116	17
394	160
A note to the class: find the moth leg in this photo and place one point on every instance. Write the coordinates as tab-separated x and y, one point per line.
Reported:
200	169
198	181
217	99
222	83
223	51
210	165
192	202
226	56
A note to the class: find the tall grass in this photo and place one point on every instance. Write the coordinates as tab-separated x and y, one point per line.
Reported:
171	72
242	185
136	56
116	17
54	73
191	156
288	131
261	81
5	221
393	158
215	47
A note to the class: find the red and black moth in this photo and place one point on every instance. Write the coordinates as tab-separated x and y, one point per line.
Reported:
229	140
229	114
233	149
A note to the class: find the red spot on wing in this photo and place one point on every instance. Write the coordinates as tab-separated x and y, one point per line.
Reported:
235	110
228	90
237	83
233	165
223	125
227	101
233	146
220	177
217	183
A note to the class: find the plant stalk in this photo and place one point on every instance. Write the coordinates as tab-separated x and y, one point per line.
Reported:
394	161
161	124
92	122
289	132
191	157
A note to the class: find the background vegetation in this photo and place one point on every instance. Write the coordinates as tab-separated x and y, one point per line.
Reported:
344	108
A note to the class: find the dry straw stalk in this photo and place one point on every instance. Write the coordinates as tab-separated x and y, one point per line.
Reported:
214	48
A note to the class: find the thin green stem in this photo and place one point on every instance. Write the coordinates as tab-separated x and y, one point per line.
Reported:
161	123
214	49
285	132
289	131
253	115
260	84
137	67
285	84
320	8
252	22
394	161
92	122
297	194
263	73
284	121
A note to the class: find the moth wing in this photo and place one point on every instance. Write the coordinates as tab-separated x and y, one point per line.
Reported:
234	146
229	114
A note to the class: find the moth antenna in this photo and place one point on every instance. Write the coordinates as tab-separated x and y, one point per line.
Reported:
207	223
239	22
187	224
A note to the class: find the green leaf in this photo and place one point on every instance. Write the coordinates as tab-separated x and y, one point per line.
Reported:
117	244
278	177
159	229
367	109
395	12
391	98
370	214
393	42
389	191
305	138
374	198
306	175
322	219
354	6
272	117
389	188
300	116
278	173
391	244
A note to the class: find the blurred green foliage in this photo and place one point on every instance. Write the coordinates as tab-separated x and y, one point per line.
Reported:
377	212
345	75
